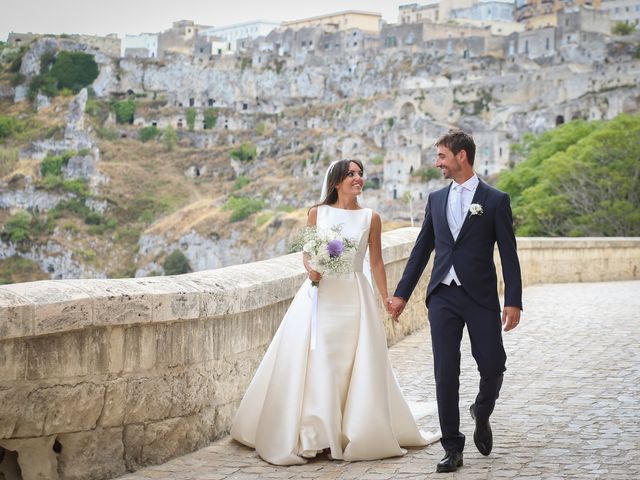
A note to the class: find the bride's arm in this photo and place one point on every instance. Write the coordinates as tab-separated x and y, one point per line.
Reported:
311	222
375	255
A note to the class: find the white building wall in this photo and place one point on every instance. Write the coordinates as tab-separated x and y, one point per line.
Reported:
148	41
627	11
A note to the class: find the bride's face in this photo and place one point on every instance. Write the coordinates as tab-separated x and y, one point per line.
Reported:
353	183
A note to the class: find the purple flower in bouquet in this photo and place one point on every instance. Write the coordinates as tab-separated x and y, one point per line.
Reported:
335	248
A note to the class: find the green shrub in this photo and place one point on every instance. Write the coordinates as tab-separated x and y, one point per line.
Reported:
52	165
370	185
176	263
128	235
8	159
7	127
210	117
242	207
67	71
44	84
169	138
377	160
125	110
241	182
74	70
17	79
16	60
92	218
428	173
264	218
17	228
107	134
260	128
190	114
245	152
148	133
622	28
97	109
47	59
77	186
17	269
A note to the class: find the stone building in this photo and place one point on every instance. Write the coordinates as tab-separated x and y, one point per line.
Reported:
542	13
144	45
347	20
497	15
180	38
488	10
238	36
19	39
532	44
437	11
109	44
438	40
627	11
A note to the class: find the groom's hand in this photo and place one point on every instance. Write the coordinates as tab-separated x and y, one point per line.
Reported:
510	318
395	306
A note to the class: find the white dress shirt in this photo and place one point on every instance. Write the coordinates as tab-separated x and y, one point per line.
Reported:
460	198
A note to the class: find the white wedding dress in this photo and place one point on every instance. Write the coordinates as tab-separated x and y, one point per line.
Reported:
326	382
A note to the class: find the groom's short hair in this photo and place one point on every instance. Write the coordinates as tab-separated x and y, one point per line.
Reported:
457	140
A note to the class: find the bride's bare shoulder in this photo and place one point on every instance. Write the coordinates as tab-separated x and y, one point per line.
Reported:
312	215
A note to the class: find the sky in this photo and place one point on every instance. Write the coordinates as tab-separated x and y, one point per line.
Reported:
137	16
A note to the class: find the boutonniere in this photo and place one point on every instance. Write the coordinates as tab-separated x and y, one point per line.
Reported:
476	209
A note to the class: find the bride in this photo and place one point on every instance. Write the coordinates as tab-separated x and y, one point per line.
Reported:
325	381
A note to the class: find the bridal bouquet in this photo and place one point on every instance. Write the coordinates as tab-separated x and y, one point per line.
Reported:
330	251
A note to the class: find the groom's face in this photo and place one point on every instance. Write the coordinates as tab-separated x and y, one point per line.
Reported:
448	162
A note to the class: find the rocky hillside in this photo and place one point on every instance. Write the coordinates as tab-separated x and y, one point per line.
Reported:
219	161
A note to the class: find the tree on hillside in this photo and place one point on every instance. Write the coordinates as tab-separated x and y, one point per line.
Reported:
74	70
66	70
176	263
581	179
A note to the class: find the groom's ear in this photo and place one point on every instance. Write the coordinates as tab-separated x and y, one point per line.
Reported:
462	156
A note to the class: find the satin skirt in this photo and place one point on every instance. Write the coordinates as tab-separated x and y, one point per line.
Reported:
326	382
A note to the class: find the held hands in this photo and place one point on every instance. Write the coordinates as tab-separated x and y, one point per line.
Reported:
395	306
510	318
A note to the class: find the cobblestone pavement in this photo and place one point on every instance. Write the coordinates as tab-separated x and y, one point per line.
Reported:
569	405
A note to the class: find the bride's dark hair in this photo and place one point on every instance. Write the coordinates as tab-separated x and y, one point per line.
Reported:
337	174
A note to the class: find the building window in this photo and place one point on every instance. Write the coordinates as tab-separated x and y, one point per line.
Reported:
547	43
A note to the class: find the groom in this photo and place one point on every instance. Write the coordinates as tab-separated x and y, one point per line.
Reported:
463	222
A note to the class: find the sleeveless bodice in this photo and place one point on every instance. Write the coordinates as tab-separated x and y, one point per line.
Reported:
355	224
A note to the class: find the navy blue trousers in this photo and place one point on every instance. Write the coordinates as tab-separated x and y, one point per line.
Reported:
450	309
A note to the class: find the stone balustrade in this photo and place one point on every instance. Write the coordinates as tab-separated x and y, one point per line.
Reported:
102	376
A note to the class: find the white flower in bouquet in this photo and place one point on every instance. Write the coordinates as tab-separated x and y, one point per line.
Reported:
330	251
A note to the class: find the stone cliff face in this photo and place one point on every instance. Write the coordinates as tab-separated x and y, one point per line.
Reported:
385	107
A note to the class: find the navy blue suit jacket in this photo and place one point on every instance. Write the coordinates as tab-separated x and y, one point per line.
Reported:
472	253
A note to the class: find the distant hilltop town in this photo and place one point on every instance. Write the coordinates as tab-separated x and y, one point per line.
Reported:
466	27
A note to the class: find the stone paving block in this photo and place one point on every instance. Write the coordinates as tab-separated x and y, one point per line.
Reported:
568	406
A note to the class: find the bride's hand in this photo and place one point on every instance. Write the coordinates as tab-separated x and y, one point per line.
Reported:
314	276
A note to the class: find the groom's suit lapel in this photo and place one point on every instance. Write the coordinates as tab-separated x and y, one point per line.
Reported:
444	213
469	220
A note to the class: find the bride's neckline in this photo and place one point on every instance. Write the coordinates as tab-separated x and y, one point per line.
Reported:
346	209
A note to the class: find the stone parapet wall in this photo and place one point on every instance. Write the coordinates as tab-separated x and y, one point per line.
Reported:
102	376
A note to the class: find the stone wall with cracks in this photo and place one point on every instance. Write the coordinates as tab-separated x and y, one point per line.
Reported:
100	377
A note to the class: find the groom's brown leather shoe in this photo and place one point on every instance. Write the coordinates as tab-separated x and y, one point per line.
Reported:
450	463
482	435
